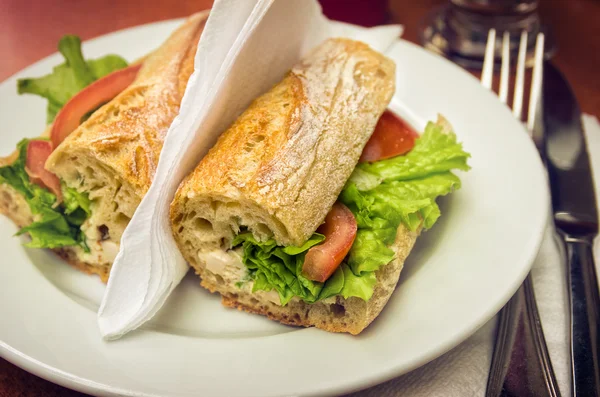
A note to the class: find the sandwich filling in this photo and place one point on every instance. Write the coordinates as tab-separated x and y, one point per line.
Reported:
62	216
55	224
382	195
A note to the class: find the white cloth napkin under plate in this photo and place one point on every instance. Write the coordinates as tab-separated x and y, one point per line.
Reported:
463	372
246	47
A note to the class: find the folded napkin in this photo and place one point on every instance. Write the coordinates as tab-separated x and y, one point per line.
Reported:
464	370
246	47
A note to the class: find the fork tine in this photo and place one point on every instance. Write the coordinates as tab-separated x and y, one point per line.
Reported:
520	82
536	81
488	60
504	71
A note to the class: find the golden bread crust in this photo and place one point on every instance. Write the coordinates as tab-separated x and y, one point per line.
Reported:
287	157
127	133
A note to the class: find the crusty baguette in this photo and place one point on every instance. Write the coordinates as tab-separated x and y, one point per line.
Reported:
113	155
277	172
280	167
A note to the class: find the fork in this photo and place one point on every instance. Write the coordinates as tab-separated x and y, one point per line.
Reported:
520	364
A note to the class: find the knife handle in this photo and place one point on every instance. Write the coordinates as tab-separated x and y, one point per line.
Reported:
585	326
521	363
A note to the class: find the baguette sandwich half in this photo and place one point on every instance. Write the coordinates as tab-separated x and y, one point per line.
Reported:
301	212
74	189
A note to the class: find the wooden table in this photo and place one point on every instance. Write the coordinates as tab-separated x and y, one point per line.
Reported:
30	29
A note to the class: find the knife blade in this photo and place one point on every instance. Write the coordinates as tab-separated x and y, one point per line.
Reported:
576	221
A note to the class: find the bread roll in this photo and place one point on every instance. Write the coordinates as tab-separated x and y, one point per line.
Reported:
278	170
113	155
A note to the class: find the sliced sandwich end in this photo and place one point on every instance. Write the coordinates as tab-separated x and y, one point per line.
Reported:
114	200
206	222
14	206
334	314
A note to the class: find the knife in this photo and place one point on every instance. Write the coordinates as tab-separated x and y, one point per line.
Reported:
576	221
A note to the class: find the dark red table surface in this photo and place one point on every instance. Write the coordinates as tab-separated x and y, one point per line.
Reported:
30	29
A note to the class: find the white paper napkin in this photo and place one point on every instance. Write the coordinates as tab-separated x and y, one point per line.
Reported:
463	372
246	47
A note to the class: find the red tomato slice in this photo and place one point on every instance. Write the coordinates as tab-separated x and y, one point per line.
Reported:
340	231
88	99
38	152
392	137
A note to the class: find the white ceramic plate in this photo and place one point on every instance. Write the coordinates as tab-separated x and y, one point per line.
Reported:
458	276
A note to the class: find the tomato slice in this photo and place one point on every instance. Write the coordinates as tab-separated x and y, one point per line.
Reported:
392	137
38	152
340	231
88	99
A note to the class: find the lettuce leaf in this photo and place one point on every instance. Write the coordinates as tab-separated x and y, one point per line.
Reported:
70	77
434	152
403	190
280	268
55	225
359	286
274	267
381	195
76	205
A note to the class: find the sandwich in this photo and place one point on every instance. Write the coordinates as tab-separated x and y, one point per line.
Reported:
309	203
75	188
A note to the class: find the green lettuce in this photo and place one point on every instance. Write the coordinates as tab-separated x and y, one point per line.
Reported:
402	190
55	225
76	205
273	267
280	268
382	196
70	77
434	152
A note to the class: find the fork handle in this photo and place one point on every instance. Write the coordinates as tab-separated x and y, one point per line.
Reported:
584	303
521	364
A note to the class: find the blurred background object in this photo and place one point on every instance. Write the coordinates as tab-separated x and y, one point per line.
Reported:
458	30
575	31
359	12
